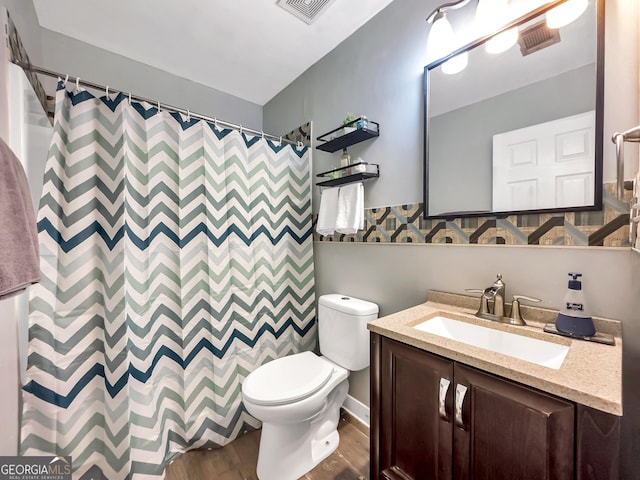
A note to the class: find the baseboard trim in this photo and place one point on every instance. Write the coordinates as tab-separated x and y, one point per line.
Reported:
357	409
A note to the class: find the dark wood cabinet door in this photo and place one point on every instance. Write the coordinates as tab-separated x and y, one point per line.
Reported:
510	432
597	445
415	426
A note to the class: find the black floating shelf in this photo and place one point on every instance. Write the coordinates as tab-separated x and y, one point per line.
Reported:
372	130
348	175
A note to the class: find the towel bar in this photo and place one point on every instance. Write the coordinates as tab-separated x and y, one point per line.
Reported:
631	136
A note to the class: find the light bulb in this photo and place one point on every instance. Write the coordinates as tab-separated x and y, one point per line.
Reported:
491	15
566	13
442	42
441	38
502	42
488	16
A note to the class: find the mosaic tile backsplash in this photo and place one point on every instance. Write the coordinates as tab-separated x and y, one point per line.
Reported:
405	224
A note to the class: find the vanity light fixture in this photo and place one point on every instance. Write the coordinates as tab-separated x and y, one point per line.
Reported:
442	40
566	13
491	16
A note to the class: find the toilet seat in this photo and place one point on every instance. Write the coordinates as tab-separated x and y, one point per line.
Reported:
287	380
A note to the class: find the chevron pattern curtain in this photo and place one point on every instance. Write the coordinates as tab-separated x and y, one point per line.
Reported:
176	258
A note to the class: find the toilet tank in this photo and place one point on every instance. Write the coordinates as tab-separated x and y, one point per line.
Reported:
342	329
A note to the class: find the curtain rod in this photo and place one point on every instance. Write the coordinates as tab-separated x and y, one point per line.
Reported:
84	83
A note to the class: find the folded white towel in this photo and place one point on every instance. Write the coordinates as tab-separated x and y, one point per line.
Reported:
328	212
350	208
19	259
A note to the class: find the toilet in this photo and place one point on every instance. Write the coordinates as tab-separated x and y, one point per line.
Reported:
298	398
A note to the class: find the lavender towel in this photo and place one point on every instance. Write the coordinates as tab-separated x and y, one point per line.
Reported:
19	259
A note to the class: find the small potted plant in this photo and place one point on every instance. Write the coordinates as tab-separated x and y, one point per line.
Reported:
348	125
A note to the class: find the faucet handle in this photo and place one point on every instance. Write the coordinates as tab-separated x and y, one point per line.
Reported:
516	316
524	297
484	304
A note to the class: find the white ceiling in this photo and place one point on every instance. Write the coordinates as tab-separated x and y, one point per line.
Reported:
248	48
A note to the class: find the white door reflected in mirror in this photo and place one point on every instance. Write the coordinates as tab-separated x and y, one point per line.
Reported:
549	165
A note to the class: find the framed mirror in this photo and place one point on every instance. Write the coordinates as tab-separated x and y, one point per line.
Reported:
520	131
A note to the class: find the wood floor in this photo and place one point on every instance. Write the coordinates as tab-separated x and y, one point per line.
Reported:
237	461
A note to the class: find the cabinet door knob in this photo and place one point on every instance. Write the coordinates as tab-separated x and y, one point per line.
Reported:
461	391
442	397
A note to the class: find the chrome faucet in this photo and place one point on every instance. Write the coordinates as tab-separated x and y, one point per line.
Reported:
497	293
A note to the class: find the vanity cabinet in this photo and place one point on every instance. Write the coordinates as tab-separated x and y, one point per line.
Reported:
415	442
508	431
434	418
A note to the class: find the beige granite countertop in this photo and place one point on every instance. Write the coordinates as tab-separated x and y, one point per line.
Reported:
591	373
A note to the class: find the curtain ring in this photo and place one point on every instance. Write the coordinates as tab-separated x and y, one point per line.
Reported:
241	127
78	84
66	79
188	115
107	91
158	106
299	145
262	134
280	142
129	98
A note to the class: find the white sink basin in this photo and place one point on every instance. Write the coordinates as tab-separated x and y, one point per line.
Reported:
547	354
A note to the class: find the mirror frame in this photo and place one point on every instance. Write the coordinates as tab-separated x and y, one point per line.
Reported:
599	128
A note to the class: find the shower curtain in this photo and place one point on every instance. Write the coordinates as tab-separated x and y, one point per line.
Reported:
176	258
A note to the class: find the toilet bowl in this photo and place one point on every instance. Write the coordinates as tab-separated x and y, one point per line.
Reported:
298	397
299	427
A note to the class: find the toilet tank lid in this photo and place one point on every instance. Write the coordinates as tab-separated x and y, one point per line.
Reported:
347	304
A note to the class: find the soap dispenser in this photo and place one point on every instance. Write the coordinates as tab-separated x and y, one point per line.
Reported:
574	319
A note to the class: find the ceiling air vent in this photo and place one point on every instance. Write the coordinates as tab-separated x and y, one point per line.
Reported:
306	10
536	37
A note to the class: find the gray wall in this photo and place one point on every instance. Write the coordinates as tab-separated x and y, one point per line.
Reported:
398	276
65	55
378	72
468	164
